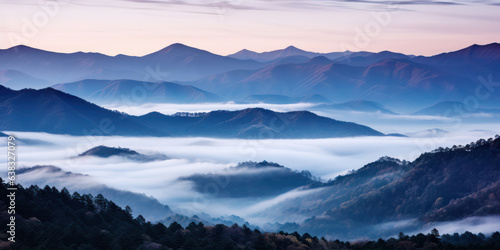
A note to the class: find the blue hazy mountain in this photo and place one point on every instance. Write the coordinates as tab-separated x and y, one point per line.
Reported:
112	91
282	99
288	52
359	106
52	111
450	109
392	79
476	59
392	82
273	55
175	62
17	80
367	58
254	123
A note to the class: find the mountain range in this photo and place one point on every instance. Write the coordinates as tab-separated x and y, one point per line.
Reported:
254	123
174	62
358	106
391	82
451	109
130	92
395	80
52	111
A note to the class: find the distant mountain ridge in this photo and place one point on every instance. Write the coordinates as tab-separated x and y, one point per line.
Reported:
453	109
358	106
136	92
175	62
282	99
255	123
52	111
393	79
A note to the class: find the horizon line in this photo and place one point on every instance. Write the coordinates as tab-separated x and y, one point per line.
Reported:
176	43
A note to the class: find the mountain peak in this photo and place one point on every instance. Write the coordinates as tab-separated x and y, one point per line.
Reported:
322	60
176	48
292	48
22	48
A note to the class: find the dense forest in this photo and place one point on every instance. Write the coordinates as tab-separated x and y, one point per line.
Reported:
51	219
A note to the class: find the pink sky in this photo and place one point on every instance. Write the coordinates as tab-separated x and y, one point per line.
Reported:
138	27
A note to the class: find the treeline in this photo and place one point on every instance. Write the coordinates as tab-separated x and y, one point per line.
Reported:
51	219
468	147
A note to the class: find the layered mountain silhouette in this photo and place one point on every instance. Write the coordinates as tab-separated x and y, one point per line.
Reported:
392	79
17	80
346	57
282	99
52	111
254	123
452	109
392	82
359	106
290	51
175	62
136	92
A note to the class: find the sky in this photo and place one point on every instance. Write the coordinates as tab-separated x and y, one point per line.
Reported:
139	27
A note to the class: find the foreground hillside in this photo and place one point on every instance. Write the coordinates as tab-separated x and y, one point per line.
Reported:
444	185
51	219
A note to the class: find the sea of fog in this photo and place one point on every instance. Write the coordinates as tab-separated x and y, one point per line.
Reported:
325	158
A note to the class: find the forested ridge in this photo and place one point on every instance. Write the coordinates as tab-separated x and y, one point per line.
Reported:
51	219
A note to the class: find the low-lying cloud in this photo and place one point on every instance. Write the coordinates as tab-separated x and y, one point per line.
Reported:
325	158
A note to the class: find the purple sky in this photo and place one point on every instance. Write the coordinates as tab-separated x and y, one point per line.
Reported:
138	27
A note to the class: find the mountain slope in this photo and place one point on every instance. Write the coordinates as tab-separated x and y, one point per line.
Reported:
451	109
447	184
392	82
255	123
17	80
281	99
176	62
359	106
106	91
474	54
141	204
52	111
272	55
